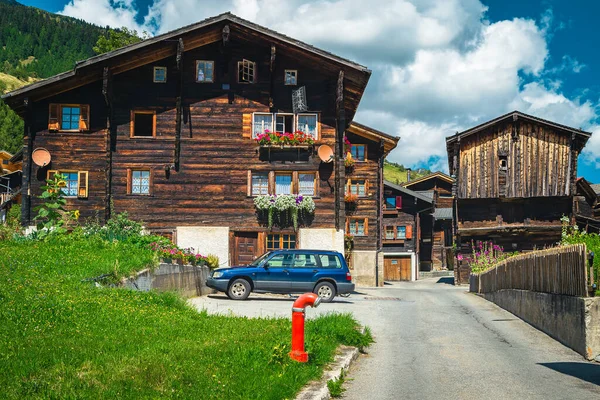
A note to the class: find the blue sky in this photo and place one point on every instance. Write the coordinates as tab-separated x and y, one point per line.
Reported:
438	66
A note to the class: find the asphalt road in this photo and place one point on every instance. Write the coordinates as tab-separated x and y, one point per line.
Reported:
435	341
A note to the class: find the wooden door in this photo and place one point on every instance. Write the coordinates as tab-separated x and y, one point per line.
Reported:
245	247
396	269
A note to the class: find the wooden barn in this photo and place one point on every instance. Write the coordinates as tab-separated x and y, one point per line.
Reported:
515	179
404	211
168	130
436	237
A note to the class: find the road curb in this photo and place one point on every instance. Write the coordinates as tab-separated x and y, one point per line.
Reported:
317	390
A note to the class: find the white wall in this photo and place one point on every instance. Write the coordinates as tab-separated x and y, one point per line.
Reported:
321	239
206	240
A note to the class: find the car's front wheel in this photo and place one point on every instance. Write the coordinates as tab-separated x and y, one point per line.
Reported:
239	289
326	291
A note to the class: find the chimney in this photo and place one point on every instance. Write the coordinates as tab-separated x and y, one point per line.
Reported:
408	174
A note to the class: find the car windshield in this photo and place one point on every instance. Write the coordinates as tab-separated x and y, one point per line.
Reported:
260	259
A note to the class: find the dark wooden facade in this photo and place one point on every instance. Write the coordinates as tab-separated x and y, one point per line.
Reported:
515	179
587	206
200	152
437	237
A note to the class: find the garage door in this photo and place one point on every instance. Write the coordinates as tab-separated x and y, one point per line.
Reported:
396	269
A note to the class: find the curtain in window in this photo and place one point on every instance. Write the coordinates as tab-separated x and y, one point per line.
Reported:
260	184
140	182
306	184
401	232
283	184
308	125
262	122
72	183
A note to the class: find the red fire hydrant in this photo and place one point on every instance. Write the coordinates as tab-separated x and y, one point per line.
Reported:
298	313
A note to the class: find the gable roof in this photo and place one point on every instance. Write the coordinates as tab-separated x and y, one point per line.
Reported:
195	35
433	175
389	141
585	189
408	192
595	187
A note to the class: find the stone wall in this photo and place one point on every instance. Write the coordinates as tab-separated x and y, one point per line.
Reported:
187	280
573	321
321	239
365	265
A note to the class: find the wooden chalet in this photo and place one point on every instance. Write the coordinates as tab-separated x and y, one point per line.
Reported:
403	214
364	187
515	179
436	228
165	129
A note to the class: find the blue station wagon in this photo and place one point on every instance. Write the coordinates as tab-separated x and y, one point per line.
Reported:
286	271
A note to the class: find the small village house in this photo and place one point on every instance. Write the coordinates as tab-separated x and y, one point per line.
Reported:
515	179
176	131
10	181
436	228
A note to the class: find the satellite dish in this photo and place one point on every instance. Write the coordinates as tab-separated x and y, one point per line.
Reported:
325	153
41	157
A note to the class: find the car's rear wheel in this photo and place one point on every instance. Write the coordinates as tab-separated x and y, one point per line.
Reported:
239	289
326	291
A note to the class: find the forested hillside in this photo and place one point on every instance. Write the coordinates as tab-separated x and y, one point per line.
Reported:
36	44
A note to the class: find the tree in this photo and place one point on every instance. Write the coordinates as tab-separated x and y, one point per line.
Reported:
118	38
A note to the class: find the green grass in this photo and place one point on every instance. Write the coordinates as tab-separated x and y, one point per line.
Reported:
64	338
396	173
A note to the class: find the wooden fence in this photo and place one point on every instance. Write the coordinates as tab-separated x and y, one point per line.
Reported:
560	270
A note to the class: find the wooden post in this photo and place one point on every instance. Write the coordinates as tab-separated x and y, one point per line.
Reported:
27	167
179	103
272	78
339	154
111	139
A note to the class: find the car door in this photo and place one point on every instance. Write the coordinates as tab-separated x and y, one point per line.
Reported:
303	272
274	275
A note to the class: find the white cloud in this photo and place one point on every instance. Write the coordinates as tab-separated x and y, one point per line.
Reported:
438	66
114	13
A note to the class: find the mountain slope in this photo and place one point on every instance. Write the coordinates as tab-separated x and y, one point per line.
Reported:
397	173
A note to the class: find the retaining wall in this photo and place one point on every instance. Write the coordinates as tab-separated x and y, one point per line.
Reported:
573	321
187	280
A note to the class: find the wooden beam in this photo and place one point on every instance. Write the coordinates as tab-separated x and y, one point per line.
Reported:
111	139
179	58
272	77
339	153
27	167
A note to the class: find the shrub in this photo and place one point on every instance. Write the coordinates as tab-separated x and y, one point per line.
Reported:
484	255
52	218
12	225
212	261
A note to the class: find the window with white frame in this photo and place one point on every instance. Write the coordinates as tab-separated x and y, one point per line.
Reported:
260	123
307	123
283	183
306	184
291	77
284	123
260	183
205	71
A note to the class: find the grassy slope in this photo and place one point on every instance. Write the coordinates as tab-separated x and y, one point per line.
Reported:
64	338
11	82
397	174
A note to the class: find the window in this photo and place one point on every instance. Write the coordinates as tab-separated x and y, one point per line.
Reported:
283	183
68	117
205	71
305	261
76	183
306	184
281	241
390	202
389	233
329	261
160	74
359	152
260	123
503	163
357	187
307	123
143	124
357	226
291	77
260	183
139	182
284	123
246	71
399	232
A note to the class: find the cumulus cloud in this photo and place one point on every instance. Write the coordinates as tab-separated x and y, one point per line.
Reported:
438	66
114	13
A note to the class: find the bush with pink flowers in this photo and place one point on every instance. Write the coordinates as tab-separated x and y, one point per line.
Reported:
484	255
284	139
